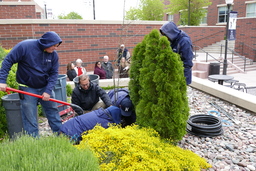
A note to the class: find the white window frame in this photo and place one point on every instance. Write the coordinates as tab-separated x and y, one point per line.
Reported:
225	15
251	13
170	17
204	20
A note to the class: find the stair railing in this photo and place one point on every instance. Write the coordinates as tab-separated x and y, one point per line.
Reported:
246	50
237	54
207	54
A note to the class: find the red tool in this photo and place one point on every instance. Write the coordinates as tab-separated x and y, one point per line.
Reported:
39	96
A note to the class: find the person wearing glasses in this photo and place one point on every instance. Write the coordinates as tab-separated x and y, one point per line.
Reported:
87	95
98	70
37	73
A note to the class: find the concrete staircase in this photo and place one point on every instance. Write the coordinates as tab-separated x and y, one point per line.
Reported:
235	65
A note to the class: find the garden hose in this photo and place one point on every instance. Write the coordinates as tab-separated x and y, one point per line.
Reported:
224	122
204	125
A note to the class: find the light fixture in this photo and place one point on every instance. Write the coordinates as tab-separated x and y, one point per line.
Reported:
229	1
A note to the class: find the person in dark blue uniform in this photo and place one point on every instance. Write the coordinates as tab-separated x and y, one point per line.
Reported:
181	44
37	73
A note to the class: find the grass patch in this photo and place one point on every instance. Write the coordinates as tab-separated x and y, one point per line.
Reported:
46	153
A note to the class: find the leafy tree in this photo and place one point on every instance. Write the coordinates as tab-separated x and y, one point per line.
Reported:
197	12
71	15
148	10
163	103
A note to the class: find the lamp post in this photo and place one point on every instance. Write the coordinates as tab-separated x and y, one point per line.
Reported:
93	10
225	63
45	10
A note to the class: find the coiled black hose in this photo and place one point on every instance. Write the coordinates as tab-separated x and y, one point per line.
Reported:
204	125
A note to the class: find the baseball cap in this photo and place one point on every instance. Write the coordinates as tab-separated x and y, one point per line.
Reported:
126	107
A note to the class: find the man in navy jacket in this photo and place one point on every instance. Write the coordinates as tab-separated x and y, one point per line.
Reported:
120	97
181	44
79	124
37	73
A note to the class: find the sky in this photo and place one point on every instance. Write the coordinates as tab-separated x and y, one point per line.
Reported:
104	9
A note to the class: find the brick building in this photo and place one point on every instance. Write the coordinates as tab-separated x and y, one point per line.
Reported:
217	16
20	9
91	40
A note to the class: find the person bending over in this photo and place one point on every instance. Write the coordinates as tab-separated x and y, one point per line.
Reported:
74	127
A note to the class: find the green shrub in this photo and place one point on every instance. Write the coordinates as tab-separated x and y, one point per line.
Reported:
137	58
134	148
161	100
11	82
69	90
3	52
112	87
46	153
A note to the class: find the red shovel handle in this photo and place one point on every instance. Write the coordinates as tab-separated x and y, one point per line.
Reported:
35	95
51	99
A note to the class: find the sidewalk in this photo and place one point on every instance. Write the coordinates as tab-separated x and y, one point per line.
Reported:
249	78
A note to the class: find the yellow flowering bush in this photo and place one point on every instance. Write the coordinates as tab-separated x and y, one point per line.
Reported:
136	148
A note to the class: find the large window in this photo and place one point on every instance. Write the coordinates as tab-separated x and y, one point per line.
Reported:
223	13
251	10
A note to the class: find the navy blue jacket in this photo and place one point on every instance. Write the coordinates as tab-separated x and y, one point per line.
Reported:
181	44
78	125
36	68
116	96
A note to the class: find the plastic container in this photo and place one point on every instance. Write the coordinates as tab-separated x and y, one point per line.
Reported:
60	91
93	77
214	68
11	103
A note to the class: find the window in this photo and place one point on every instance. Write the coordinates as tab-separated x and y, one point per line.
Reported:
223	14
251	10
169	17
204	19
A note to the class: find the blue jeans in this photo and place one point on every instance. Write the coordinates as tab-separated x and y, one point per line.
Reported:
29	111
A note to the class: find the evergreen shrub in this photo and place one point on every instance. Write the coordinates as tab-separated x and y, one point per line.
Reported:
161	100
135	148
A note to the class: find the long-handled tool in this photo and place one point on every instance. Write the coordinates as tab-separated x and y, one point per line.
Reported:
224	112
51	99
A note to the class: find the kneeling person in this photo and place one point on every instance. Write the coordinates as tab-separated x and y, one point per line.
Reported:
77	125
87	95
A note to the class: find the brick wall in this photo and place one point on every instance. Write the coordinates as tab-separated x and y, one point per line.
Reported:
17	12
91	40
204	36
246	34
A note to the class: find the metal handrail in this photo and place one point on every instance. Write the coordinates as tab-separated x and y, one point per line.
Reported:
237	54
207	54
250	47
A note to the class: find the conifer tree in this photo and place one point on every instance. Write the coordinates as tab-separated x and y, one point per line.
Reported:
163	103
137	58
